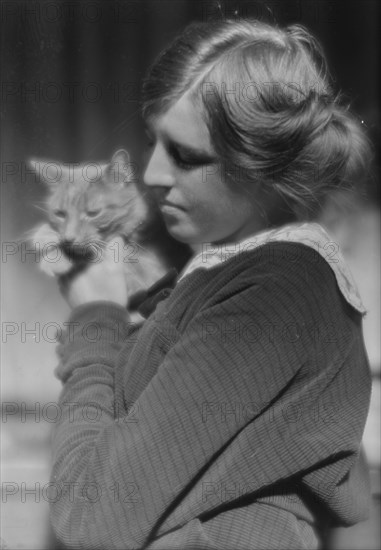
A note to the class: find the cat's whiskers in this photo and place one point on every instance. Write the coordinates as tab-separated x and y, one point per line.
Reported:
142	247
26	237
100	242
95	240
21	240
45	210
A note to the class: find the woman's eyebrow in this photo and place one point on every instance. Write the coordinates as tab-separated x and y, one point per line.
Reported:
182	147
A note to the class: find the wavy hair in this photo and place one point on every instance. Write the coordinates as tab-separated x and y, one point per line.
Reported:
276	123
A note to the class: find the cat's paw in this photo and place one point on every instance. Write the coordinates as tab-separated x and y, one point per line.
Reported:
54	263
52	260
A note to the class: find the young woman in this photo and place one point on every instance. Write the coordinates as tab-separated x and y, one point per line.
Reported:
233	416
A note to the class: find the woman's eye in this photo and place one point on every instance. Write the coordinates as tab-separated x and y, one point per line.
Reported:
93	213
186	163
60	213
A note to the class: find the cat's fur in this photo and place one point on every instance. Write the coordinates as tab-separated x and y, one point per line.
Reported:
88	207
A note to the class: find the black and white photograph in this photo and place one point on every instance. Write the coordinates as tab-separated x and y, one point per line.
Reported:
190	275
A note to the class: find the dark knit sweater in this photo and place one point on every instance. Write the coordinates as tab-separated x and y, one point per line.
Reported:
232	418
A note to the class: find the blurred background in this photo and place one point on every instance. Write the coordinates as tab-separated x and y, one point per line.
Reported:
71	75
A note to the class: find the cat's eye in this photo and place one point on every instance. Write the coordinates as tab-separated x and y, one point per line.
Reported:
60	213
93	213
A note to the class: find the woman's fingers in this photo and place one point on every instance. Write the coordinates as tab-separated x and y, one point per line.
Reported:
101	280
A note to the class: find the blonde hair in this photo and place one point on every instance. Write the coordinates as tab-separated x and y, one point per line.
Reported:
276	123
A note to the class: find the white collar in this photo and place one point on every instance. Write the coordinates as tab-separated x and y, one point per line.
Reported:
309	234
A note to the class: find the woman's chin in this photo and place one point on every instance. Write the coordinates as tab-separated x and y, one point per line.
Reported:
182	233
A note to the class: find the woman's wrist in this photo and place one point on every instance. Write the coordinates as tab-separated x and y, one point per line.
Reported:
100	308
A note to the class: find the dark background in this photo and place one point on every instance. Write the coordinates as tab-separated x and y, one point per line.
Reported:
72	72
71	75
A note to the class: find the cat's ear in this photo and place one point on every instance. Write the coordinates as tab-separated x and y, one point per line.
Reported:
119	170
50	172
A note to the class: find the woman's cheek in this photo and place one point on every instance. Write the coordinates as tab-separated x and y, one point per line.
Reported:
203	217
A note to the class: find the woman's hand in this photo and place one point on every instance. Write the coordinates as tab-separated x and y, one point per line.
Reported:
103	280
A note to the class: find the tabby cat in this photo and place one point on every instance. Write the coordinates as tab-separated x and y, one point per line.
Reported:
88	206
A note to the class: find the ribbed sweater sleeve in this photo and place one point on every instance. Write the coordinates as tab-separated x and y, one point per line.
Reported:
121	471
88	351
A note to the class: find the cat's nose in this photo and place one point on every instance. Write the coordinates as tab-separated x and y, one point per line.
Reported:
67	245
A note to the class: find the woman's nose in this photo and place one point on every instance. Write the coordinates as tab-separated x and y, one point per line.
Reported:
158	171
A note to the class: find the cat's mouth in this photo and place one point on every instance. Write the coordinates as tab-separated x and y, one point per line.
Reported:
79	252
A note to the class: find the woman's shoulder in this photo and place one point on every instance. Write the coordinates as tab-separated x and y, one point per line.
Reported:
262	278
270	262
298	258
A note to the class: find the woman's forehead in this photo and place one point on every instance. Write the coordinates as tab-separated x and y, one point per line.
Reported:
182	123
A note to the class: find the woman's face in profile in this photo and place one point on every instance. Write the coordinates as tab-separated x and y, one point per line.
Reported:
188	181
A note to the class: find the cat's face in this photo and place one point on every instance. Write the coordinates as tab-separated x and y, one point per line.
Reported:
90	203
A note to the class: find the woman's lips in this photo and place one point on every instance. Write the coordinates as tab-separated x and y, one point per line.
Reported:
166	206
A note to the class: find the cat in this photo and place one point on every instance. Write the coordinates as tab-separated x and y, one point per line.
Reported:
88	206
